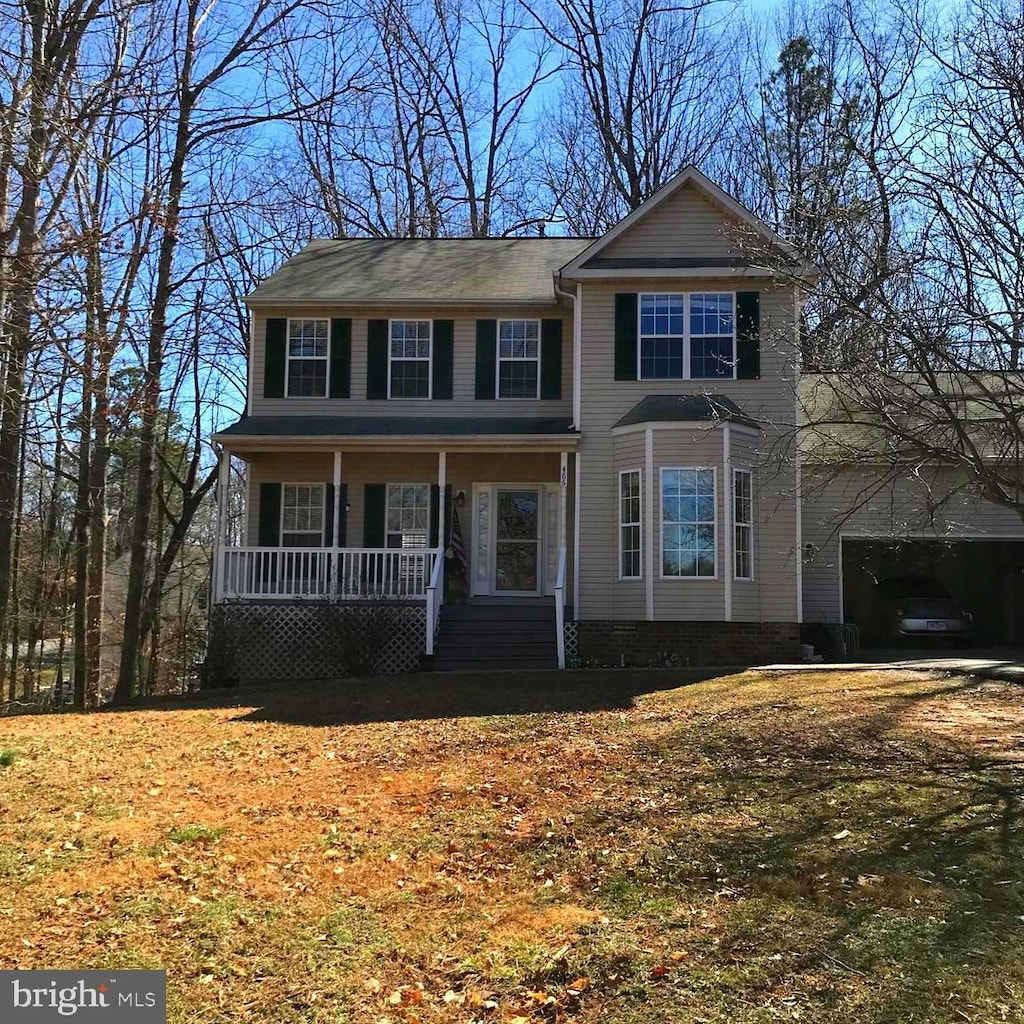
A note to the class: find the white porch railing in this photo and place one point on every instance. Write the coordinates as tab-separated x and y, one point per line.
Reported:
340	574
435	599
560	608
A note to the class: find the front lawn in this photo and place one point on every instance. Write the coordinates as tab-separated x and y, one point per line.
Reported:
818	847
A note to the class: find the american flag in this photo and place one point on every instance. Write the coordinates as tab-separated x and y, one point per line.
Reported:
458	549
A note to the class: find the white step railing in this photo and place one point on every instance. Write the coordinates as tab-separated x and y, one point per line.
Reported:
560	608
341	574
435	598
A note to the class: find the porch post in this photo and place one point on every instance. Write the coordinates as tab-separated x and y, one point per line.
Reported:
334	556
223	485
442	481
563	496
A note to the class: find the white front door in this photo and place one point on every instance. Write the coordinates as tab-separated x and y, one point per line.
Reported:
511	530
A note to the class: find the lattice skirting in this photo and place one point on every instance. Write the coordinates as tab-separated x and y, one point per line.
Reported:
284	641
572	644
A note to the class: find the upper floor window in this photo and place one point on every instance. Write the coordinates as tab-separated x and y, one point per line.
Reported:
407	515
302	515
687	336
688	520
518	358
307	358
409	359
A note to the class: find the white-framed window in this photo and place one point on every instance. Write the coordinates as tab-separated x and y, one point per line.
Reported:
630	508
688	523
686	336
409	349
302	515
743	523
407	516
306	371
518	370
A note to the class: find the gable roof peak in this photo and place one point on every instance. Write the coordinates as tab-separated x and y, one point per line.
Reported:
690	175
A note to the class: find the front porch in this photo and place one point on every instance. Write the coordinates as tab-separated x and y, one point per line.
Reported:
325	574
430	528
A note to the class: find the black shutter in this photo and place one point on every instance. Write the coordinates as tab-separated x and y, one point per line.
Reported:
376	359
486	357
269	531
551	359
435	508
329	514
374	500
748	335
625	336
443	356
274	346
341	358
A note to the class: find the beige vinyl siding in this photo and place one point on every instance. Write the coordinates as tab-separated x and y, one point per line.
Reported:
854	504
361	468
770	400
293	468
463	401
685	224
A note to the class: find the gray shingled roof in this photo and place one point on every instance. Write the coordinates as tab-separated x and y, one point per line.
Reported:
687	409
391	426
371	270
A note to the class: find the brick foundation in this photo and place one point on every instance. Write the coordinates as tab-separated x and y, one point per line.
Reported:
687	643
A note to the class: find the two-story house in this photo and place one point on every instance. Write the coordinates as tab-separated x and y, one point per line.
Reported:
602	421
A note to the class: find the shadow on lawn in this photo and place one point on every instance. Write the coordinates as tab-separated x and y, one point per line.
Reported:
444	695
884	870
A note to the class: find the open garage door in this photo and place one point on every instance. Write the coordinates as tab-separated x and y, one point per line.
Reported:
985	576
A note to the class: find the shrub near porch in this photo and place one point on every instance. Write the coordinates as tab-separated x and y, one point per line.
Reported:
820	847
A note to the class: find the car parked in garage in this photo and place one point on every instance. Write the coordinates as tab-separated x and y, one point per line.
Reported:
919	609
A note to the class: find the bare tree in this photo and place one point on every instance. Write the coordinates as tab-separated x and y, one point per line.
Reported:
52	99
649	90
432	138
937	395
202	55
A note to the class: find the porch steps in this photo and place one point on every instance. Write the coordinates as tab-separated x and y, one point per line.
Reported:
516	635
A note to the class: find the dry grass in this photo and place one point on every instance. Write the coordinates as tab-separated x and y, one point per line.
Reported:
821	847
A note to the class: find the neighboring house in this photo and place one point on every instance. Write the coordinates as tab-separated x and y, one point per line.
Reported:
610	420
878	503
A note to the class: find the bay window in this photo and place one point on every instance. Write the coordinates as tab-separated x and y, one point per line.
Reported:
688	524
743	523
629	524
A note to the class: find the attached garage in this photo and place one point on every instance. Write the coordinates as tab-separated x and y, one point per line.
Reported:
985	575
